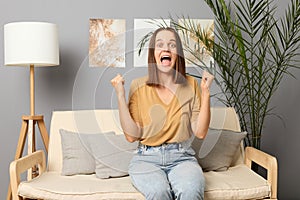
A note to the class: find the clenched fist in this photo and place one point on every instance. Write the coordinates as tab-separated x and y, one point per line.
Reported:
118	83
206	81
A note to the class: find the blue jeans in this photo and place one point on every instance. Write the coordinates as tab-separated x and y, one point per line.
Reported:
166	172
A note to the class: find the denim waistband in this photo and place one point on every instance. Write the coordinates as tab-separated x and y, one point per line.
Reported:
168	146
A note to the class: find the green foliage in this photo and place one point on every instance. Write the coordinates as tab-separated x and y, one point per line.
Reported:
252	51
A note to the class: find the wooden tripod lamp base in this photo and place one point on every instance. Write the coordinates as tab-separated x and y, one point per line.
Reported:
27	129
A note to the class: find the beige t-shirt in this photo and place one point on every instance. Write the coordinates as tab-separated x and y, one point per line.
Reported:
160	122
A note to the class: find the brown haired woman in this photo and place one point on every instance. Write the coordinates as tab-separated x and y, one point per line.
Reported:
166	109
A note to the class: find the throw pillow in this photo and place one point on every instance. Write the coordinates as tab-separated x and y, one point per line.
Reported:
76	153
112	154
217	150
106	154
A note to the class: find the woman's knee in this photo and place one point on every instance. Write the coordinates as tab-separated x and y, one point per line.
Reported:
189	186
193	190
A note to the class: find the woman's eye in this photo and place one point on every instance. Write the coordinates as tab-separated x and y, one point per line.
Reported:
169	45
159	45
172	45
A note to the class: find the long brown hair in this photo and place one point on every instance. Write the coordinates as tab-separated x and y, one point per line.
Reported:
179	72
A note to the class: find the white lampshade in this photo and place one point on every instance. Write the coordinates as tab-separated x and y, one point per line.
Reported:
27	43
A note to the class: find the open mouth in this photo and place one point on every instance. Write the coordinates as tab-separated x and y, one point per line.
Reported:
165	59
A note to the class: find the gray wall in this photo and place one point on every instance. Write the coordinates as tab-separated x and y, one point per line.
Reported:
73	85
281	136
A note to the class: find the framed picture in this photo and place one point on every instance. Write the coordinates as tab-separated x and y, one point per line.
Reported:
107	43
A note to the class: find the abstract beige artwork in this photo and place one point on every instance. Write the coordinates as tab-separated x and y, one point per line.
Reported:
195	51
107	43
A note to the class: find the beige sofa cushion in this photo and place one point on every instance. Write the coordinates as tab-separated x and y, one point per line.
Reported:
51	185
82	121
238	182
95	121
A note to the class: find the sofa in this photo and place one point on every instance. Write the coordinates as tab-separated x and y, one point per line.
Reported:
237	181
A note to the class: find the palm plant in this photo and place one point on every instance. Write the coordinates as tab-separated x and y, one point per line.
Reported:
252	51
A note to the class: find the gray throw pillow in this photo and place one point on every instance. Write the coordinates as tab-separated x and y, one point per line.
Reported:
217	150
112	154
106	154
76	153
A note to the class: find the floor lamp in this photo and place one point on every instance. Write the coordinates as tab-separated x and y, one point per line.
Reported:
32	44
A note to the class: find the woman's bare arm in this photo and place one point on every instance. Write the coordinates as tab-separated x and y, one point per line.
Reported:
131	130
200	126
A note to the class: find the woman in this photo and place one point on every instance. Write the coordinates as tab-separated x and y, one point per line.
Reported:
165	110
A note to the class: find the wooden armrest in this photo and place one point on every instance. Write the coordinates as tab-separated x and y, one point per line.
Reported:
19	166
266	161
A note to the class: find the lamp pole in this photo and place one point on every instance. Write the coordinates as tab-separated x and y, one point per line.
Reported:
32	90
31	124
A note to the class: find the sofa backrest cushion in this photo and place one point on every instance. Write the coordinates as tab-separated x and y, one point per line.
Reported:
81	121
106	120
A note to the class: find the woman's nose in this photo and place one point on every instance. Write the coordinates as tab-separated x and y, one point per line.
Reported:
165	47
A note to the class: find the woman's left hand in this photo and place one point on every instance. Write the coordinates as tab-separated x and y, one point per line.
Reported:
206	81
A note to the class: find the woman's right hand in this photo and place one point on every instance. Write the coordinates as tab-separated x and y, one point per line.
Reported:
131	130
118	83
